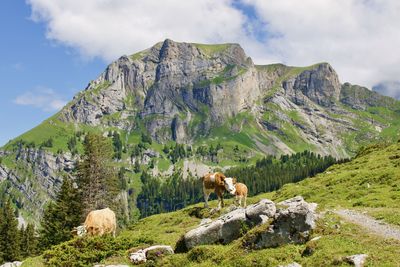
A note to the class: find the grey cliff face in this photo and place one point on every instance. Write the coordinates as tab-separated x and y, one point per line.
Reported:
40	179
180	91
167	86
320	85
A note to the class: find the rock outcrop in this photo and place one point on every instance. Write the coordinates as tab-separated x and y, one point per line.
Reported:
38	177
291	222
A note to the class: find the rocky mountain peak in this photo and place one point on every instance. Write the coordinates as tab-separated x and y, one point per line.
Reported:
318	83
181	91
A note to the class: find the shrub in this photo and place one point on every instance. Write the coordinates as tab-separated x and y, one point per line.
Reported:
88	251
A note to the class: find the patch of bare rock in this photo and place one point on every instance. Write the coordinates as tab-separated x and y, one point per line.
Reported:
290	221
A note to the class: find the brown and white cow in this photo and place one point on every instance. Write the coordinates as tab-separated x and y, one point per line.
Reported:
98	222
214	182
239	190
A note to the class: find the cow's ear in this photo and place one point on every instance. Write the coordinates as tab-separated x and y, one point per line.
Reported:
234	180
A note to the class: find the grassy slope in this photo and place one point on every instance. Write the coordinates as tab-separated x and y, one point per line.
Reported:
369	183
344	185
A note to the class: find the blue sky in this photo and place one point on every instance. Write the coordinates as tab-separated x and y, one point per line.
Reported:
50	50
32	65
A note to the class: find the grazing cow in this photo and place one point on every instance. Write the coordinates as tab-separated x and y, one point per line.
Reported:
214	182
239	190
98	222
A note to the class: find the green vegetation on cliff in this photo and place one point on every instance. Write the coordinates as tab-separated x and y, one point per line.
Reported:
367	183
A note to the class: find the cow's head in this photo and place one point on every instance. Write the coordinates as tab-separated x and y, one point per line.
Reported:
230	185
220	179
79	231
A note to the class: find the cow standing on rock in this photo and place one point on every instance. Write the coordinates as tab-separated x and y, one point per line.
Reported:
214	182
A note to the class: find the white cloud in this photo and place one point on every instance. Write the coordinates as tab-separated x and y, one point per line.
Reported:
360	38
44	98
389	88
110	28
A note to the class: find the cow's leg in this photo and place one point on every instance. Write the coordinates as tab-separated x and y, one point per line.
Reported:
206	193
245	199
237	201
220	195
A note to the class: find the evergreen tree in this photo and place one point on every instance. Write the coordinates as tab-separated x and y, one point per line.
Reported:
117	143
28	241
268	174
9	237
51	226
62	216
97	178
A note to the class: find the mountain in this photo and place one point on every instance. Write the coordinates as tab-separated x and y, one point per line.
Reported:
201	96
366	185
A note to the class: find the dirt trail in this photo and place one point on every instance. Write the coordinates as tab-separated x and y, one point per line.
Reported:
377	227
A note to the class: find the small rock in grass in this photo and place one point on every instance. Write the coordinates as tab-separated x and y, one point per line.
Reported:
153	252
357	260
294	264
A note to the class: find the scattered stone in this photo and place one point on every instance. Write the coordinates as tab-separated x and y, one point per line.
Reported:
138	257
357	260
12	264
103	265
315	238
153	252
294	264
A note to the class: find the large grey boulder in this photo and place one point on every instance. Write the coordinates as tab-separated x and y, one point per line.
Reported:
208	233
261	211
292	223
232	225
223	230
